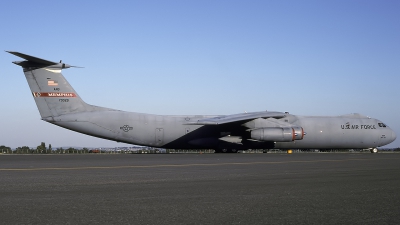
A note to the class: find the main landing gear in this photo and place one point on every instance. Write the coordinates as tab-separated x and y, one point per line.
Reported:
225	150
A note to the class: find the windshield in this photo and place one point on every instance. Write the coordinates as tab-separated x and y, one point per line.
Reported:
382	125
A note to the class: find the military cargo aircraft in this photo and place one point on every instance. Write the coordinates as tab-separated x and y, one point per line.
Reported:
60	104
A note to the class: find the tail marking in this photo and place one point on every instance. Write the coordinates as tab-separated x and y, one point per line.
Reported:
54	94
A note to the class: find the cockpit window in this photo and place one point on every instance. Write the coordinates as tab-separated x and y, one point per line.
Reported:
382	125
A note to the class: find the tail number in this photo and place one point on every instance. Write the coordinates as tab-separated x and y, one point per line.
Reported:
63	100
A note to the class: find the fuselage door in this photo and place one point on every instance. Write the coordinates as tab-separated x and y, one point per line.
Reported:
187	130
159	136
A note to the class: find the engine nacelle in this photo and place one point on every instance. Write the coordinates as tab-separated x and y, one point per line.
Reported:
277	134
298	133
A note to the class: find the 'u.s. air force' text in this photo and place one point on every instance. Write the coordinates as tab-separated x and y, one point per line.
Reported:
355	127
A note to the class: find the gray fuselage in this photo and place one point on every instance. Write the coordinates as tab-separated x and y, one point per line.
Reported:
348	131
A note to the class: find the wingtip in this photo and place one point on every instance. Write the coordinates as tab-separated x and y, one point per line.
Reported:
12	52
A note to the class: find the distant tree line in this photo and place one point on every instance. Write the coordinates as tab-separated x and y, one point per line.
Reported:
42	149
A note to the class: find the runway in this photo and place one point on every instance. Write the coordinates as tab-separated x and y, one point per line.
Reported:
304	188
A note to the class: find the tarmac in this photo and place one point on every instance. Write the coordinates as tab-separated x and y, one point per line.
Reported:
303	188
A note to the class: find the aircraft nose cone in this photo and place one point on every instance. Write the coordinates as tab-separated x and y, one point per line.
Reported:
393	136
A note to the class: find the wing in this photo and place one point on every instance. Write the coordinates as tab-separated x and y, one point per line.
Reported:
263	126
242	117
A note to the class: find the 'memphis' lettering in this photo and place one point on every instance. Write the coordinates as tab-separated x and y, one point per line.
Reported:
54	94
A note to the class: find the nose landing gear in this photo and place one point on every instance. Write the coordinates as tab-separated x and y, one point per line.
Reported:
374	150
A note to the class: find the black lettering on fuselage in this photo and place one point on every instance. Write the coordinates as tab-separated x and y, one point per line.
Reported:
356	127
368	127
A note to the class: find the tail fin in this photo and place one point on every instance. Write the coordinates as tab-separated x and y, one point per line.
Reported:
53	95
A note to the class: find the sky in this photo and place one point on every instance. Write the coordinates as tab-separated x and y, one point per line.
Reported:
203	57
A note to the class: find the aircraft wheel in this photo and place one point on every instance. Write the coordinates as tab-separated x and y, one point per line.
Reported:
226	150
374	150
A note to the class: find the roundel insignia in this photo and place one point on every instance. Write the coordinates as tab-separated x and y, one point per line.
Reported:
126	128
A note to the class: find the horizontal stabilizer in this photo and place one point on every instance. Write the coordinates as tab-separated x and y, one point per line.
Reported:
32	58
33	62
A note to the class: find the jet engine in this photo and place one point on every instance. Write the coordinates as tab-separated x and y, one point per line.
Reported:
278	134
298	133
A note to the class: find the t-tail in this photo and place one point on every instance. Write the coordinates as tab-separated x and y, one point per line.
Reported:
53	95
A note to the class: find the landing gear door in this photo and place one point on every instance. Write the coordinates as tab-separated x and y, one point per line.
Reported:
159	136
